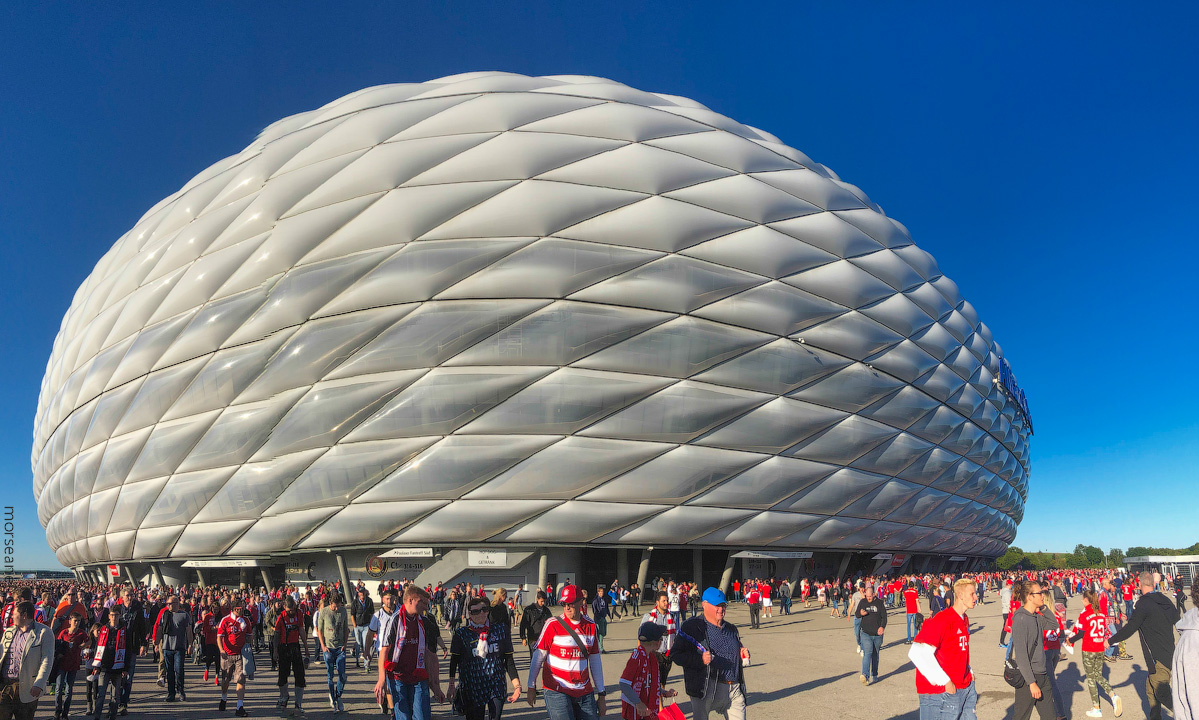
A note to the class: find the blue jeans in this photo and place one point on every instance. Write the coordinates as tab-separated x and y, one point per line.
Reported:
173	661
64	690
336	658
1127	608
857	632
871	646
911	624
678	619
360	632
560	706
411	701
958	706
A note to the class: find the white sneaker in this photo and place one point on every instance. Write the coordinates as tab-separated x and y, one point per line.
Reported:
1118	705
859	651
1094	712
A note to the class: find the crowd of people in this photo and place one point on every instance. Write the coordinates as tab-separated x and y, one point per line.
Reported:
59	633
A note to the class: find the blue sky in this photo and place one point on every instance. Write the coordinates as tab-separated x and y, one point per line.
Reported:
1044	154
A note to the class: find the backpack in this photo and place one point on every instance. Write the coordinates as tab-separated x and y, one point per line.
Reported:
918	621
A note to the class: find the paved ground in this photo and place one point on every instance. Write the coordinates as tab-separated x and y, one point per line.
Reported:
805	666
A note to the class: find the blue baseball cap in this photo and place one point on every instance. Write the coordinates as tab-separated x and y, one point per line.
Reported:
713	596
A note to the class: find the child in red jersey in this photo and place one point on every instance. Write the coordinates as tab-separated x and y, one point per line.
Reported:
1092	628
640	687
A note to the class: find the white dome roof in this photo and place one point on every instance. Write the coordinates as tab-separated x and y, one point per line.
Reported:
527	310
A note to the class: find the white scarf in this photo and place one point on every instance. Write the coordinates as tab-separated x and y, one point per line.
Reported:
401	633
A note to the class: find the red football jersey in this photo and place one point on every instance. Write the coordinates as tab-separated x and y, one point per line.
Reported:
949	633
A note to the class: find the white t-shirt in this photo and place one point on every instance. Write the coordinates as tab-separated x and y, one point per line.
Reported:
674	601
379	623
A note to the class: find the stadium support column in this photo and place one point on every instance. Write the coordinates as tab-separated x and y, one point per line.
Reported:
345	577
156	568
129	574
845	558
726	577
203	581
266	580
622	567
643	570
697	567
543	570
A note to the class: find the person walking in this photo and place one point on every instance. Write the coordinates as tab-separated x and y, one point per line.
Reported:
73	639
533	620
408	667
362	610
232	634
1092	628
378	628
753	599
108	663
710	651
1153	617
26	657
1028	653
641	690
568	658
941	654
290	634
174	637
1005	605
332	634
599	615
660	615
1184	674
857	619
871	615
481	652
911	606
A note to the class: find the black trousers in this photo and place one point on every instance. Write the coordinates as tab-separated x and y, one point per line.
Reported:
755	614
291	658
1025	703
489	711
664	666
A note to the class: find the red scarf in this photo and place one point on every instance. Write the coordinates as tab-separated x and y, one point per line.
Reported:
118	658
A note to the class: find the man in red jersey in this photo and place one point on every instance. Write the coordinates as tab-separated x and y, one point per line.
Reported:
911	605
231	638
941	654
572	666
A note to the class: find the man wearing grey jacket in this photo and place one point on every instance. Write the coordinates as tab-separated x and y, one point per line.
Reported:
1028	652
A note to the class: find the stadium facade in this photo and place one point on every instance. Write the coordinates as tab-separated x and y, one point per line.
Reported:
513	329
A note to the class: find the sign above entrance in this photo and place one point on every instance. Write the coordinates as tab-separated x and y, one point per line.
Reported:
882	556
773	554
226	563
898	560
487	558
408	552
957	558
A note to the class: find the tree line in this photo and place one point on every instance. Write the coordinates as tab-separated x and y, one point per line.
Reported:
1084	556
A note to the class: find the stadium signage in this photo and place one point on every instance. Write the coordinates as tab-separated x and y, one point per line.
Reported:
1007	381
227	563
777	555
487	558
408	552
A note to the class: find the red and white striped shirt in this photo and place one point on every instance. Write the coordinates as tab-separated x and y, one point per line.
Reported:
565	669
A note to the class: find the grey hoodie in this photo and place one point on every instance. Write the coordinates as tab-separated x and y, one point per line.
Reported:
1184	678
1028	643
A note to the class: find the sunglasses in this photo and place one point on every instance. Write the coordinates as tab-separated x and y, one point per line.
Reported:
478	611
